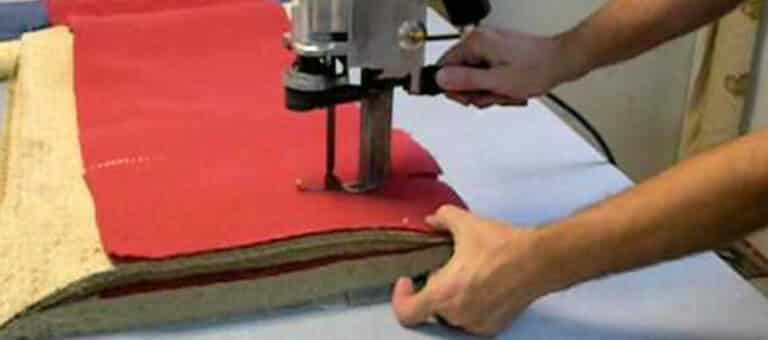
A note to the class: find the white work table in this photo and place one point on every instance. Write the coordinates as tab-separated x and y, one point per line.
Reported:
525	166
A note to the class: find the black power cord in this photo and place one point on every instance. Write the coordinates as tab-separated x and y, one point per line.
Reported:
586	124
428	86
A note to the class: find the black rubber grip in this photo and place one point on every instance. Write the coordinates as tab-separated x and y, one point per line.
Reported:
428	82
467	12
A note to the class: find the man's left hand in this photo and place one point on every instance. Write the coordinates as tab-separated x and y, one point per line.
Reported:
494	274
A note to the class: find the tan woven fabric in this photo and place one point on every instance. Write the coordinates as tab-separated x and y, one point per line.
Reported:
220	300
49	236
52	265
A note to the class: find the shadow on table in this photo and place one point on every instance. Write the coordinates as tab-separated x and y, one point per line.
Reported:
533	325
538	325
434	330
549	170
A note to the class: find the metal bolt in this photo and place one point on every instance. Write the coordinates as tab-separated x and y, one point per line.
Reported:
412	35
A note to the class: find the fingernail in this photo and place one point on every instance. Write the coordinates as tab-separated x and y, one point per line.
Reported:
443	78
403	286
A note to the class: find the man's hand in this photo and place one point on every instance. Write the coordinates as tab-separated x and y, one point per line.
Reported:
493	275
496	271
505	67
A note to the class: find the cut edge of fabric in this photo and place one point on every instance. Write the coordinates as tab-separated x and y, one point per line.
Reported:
224	300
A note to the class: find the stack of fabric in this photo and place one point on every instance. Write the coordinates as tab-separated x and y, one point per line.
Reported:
149	172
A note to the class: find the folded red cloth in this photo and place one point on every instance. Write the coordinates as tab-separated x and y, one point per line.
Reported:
188	147
61	11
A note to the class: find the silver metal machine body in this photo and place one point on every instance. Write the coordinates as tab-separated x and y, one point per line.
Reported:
366	35
376	32
382	40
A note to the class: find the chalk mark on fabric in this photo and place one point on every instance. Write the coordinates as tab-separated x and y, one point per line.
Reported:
125	161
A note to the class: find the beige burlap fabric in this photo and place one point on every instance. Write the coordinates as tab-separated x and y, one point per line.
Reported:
52	264
48	235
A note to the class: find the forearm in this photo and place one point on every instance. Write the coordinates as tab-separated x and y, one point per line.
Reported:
705	202
622	29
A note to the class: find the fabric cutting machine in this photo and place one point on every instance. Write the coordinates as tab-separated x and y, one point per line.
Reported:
359	51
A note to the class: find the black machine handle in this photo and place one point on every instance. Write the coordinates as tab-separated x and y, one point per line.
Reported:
460	13
466	12
428	80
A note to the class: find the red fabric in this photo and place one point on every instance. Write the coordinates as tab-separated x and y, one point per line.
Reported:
61	12
188	147
242	275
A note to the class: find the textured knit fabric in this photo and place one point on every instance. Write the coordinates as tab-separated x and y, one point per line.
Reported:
48	227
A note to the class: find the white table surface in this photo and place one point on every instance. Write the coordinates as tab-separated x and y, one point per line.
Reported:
523	165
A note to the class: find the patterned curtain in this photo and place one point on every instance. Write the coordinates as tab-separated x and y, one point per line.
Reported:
715	106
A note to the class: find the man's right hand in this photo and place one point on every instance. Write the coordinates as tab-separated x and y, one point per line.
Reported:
506	67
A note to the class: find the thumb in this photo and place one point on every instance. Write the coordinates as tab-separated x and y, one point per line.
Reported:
466	78
451	218
411	308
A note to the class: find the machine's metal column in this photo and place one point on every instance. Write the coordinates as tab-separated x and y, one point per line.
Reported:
375	139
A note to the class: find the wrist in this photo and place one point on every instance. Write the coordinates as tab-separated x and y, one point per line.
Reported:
560	265
573	55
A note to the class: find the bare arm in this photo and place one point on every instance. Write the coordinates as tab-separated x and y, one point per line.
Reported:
524	65
712	199
497	271
622	29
